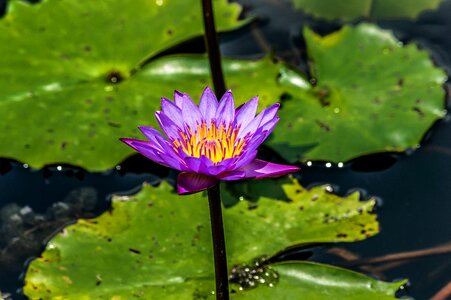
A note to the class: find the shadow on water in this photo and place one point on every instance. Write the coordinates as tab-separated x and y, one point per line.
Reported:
414	213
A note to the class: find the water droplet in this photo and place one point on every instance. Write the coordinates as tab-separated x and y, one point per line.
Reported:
250	275
328	165
340	165
109	88
309	164
59	168
159	2
25	166
336	110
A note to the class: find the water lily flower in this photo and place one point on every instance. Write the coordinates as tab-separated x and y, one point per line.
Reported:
210	142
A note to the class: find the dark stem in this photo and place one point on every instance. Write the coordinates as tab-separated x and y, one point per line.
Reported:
214	195
212	45
217	230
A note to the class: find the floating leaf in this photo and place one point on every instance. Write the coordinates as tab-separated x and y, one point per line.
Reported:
353	9
157	245
67	68
371	95
306	280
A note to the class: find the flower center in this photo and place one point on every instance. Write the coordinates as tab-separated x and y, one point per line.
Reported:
215	143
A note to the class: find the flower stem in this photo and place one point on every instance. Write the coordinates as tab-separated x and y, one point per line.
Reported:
217	230
212	45
214	194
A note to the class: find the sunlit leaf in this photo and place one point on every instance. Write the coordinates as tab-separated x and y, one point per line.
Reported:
67	74
306	280
157	245
370	94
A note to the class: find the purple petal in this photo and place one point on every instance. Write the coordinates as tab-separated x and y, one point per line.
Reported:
266	129
151	134
170	155
178	99
252	127
247	112
193	164
188	183
260	169
207	167
225	114
172	111
190	112
232	175
244	159
204	165
269	126
164	155
270	113
255	141
171	129
260	135
238	108
208	105
263	117
146	148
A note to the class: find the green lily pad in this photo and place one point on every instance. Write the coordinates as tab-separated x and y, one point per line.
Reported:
371	94
353	9
307	280
68	68
157	245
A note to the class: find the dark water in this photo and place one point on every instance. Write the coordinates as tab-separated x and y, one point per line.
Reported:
414	188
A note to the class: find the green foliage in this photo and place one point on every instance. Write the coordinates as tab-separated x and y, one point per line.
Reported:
371	94
68	69
306	280
157	245
353	9
68	92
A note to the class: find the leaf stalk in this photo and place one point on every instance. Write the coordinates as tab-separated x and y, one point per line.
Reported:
214	194
219	249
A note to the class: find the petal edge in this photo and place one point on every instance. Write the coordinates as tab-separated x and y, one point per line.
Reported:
260	169
189	183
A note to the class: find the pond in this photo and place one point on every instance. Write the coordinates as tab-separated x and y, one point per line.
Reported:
41	195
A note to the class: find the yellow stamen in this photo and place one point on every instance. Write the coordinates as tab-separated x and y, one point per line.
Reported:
215	143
